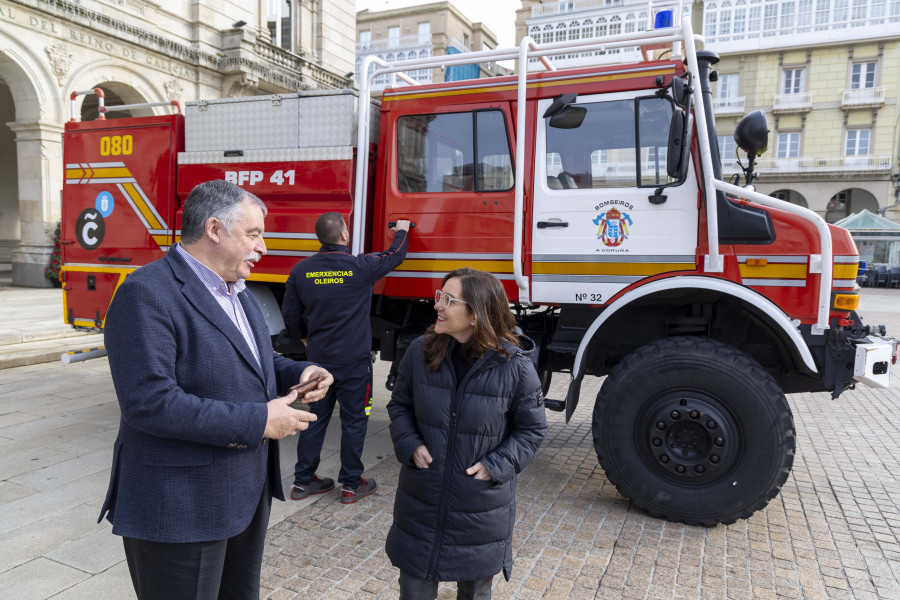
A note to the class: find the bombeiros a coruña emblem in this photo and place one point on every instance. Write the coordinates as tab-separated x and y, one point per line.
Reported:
613	227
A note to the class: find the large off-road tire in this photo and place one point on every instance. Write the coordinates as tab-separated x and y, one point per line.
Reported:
692	430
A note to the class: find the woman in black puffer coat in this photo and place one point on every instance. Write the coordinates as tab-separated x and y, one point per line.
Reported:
467	416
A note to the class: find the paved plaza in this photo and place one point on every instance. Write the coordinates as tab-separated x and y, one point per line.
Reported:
833	532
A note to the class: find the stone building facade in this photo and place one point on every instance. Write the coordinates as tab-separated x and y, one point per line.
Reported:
434	29
138	51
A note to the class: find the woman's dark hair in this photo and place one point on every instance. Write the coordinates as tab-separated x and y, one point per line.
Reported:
486	301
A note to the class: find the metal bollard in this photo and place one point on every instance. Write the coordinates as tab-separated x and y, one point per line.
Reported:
80	355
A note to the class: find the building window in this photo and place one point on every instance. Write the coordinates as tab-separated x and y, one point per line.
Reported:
857	142
393	37
862	75
788	145
466	42
726	148
725	21
793	81
728	86
424	33
560	32
804	15
615	27
547	34
823	14
587	28
279	23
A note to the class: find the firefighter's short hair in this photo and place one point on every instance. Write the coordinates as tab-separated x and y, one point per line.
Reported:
219	199
329	227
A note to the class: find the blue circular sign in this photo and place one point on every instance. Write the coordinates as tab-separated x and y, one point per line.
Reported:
105	203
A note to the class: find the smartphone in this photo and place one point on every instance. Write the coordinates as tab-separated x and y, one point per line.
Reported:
306	386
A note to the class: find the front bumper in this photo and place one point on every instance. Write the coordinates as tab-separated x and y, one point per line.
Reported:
874	358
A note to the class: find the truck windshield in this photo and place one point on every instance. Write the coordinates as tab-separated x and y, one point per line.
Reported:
620	143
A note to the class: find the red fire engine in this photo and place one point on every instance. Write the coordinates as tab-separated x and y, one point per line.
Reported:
594	194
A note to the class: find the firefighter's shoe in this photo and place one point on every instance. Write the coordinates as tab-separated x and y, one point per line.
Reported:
299	490
366	487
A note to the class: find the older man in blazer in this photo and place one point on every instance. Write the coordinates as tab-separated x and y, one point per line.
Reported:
204	400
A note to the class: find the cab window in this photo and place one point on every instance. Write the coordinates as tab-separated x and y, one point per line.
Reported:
620	143
454	152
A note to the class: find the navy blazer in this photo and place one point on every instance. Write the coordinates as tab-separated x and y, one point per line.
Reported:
189	463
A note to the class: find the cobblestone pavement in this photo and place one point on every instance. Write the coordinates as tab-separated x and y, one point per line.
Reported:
831	533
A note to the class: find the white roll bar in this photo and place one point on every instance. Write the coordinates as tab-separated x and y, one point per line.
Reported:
175	103
100	98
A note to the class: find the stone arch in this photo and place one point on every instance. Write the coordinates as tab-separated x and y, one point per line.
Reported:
31	113
792	196
126	85
849	201
34	90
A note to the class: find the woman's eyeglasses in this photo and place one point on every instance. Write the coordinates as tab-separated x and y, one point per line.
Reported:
446	300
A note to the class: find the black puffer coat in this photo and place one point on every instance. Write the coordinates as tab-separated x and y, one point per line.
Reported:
449	526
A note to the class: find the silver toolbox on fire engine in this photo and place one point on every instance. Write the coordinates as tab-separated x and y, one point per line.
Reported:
312	119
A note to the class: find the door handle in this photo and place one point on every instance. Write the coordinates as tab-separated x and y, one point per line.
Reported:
545	224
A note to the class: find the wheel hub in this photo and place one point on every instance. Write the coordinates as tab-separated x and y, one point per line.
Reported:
688	436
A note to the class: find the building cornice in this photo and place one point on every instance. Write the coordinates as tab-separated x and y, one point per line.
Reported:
280	68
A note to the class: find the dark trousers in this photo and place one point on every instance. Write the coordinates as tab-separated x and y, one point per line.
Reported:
352	390
413	588
218	570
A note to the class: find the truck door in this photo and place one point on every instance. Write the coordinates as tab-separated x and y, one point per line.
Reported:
597	227
450	172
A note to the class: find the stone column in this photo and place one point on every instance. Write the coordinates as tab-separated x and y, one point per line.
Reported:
39	153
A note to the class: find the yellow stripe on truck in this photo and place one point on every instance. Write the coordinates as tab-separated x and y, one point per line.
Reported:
608	268
773	271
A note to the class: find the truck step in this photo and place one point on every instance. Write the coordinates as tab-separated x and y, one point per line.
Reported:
555	405
562	347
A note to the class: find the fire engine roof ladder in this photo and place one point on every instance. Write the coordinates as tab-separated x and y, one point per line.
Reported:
682	33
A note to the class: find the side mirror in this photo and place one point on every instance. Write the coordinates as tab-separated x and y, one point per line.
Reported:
563	115
559	104
680	91
571	117
679	143
752	133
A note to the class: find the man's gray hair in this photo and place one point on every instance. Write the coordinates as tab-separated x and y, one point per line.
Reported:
218	198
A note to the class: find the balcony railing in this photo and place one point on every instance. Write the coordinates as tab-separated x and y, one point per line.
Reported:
792	102
810	165
730	27
724	106
570	6
863	97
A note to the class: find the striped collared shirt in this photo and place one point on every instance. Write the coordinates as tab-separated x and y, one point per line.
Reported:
228	300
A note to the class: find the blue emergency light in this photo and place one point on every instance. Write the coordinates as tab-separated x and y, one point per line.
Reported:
664	18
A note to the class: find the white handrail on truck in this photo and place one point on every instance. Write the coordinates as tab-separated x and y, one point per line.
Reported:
682	33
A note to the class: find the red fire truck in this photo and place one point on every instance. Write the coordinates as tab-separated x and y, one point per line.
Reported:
594	194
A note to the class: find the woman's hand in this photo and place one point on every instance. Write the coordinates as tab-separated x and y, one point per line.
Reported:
479	471
421	456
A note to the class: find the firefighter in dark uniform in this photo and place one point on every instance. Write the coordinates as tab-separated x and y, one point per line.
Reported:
327	302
